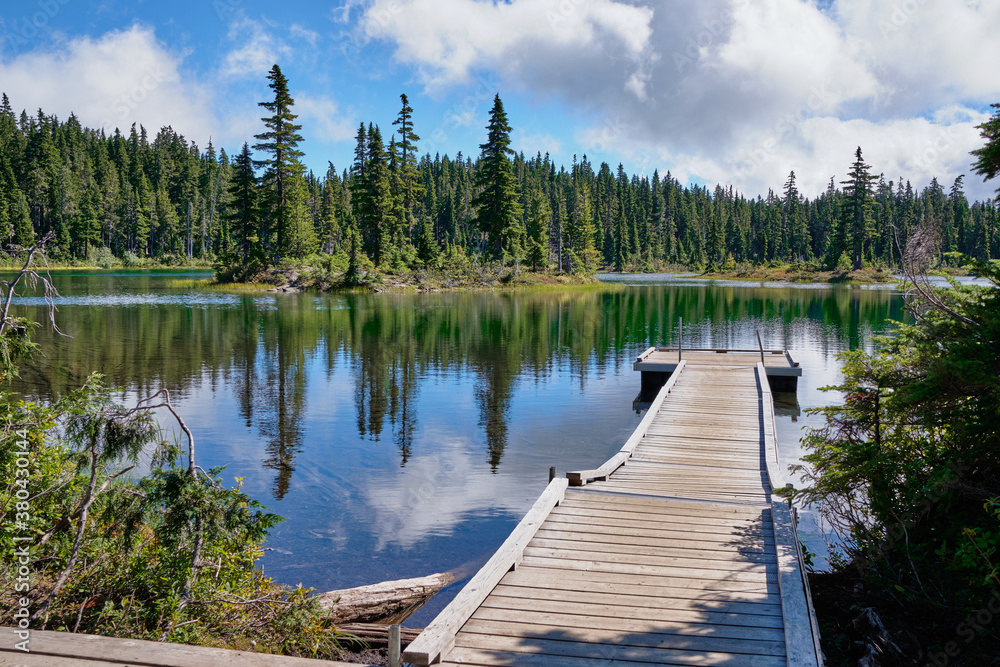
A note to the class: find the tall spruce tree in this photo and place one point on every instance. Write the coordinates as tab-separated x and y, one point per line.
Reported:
410	180
498	208
374	213
282	169
856	212
243	214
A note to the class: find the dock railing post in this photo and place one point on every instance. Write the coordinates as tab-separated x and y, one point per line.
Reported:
394	650
552	473
761	346
680	337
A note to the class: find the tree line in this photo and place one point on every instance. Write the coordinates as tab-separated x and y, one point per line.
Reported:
166	199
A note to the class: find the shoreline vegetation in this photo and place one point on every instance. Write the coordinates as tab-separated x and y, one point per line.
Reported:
170	555
393	219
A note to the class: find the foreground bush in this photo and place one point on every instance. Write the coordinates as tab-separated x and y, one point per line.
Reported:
908	468
93	547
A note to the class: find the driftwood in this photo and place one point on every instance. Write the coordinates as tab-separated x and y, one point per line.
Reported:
386	603
376	635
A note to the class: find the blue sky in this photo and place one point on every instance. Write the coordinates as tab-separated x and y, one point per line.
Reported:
716	91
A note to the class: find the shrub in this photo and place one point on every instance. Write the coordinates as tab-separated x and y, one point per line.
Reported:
102	257
131	260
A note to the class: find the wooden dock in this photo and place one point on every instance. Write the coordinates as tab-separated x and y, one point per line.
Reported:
673	552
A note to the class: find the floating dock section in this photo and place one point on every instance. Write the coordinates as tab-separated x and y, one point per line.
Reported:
657	363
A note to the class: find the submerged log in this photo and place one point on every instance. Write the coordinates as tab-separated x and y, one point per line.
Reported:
386	603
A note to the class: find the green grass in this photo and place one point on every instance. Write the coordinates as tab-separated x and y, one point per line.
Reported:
210	285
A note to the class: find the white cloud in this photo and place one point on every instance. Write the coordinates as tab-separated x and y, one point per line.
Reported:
305	34
436	492
123	77
259	51
927	53
322	119
448	40
739	91
538	142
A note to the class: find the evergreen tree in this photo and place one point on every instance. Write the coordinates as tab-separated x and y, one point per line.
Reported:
498	211
560	221
243	214
581	231
795	221
282	171
987	162
539	215
857	212
427	246
411	186
328	227
375	209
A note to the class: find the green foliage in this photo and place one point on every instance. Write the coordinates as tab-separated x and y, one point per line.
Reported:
498	215
987	163
130	259
102	257
232	267
168	556
843	263
427	246
908	468
284	228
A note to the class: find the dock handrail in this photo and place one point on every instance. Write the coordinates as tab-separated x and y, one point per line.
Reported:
768	431
664	348
439	637
799	617
802	644
582	477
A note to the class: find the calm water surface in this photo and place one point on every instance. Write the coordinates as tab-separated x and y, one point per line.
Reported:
401	435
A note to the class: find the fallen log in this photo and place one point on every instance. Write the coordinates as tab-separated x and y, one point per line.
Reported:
376	635
386	603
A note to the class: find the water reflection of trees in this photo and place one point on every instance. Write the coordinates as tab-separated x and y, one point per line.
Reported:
266	349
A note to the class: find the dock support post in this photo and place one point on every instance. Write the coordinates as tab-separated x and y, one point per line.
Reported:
552	473
761	346
394	651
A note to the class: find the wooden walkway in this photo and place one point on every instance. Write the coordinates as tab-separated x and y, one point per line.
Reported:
68	649
671	553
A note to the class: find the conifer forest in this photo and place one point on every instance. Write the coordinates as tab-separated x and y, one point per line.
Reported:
137	197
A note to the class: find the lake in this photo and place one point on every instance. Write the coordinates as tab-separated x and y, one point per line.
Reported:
402	435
